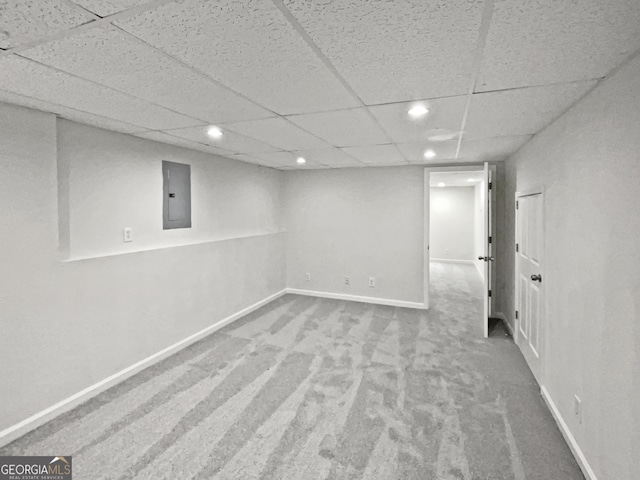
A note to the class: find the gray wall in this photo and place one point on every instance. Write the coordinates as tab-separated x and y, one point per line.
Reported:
588	163
452	223
356	222
74	315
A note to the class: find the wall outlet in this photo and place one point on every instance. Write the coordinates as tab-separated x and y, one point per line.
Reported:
347	280
372	281
307	277
577	408
127	234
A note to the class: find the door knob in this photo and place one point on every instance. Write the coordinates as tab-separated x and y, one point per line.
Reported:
536	278
491	259
481	257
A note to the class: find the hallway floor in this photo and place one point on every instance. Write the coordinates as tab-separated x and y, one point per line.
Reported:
309	388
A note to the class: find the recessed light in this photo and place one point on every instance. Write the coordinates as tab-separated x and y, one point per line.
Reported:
441	184
301	161
418	111
214	132
429	154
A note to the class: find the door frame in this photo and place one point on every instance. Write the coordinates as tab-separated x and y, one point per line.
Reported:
536	190
474	167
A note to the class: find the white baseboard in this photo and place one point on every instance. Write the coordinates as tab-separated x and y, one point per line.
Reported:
568	436
357	298
11	433
451	260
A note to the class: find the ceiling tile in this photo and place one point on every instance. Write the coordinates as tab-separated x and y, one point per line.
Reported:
69	113
444	118
243	157
377	154
231	141
23	21
330	157
551	41
414	151
279	132
181	142
113	58
247	45
343	128
277	158
31	79
520	111
264	160
287	160
306	166
396	51
108	7
486	149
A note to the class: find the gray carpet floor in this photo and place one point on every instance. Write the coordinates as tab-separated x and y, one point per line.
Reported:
308	388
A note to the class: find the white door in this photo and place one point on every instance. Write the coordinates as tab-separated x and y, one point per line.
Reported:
529	279
427	233
488	248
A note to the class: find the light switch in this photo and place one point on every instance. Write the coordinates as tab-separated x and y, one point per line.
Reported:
127	234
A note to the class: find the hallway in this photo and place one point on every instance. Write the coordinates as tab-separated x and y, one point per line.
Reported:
317	388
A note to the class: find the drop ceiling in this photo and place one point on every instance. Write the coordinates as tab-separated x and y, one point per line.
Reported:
330	81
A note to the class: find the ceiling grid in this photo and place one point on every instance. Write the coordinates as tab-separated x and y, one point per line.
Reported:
329	81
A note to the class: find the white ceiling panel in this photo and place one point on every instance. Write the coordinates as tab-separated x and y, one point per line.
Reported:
414	151
243	157
552	41
231	141
445	114
277	158
307	166
279	132
286	160
399	50
486	149
520	111
113	58
377	154
181	142
330	157
68	113
31	79
247	45
23	21
343	128
108	7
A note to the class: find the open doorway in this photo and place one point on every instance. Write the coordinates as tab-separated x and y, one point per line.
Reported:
458	228
457	209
